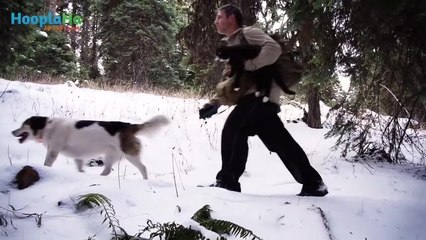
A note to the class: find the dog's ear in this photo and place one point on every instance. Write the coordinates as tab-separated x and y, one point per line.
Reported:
36	123
222	52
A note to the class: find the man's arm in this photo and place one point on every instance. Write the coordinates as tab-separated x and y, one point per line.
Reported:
270	52
209	109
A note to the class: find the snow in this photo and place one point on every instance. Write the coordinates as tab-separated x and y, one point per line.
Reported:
42	33
366	201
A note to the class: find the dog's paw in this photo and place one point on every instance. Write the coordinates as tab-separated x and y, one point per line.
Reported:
95	163
265	99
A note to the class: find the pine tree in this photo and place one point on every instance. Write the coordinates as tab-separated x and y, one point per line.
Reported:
137	40
27	49
14	37
381	46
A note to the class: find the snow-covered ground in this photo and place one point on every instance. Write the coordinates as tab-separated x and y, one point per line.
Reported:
366	201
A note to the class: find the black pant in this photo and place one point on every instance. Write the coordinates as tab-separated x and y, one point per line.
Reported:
252	117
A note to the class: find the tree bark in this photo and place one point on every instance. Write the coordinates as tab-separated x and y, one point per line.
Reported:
73	33
94	70
85	37
314	112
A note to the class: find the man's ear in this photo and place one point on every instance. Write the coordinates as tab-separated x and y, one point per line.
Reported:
232	17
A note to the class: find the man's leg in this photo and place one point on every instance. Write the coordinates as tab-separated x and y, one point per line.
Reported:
234	157
234	146
276	138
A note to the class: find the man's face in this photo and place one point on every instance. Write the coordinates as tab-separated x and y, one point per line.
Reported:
223	23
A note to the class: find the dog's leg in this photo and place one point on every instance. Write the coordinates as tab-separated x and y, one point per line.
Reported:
239	65
79	164
136	161
110	159
50	157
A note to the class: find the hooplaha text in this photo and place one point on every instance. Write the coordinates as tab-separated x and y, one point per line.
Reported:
50	19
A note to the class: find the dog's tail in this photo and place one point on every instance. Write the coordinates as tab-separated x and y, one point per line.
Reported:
153	125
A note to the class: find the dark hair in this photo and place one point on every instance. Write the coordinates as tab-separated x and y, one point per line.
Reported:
231	9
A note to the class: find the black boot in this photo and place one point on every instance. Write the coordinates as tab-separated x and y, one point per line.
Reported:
314	190
236	187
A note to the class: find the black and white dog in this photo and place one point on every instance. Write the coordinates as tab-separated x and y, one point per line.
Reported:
236	57
82	139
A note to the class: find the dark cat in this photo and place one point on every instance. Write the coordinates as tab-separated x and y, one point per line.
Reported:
237	55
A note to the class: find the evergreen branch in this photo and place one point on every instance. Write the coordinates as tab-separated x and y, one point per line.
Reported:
171	231
396	99
92	200
226	227
203	217
202	214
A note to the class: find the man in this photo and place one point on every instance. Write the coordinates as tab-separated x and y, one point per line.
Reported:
252	117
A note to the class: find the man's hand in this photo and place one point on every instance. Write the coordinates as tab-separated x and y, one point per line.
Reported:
208	110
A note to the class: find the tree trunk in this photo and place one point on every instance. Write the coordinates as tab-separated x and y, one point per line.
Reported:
249	9
85	37
94	70
73	33
314	112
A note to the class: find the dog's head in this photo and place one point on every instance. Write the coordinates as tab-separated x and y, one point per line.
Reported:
32	128
222	53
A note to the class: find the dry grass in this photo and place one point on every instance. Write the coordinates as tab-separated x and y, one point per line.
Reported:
110	85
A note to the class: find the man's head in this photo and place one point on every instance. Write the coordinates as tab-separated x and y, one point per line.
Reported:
228	19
